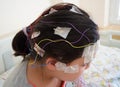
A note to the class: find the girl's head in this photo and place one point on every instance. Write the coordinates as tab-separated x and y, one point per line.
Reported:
64	33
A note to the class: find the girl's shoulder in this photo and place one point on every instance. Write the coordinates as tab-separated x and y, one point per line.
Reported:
17	77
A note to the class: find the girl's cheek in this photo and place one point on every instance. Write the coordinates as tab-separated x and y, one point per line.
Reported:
87	66
82	69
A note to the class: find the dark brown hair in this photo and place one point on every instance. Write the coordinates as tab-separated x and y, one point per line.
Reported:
83	31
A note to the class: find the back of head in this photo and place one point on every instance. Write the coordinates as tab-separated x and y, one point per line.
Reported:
61	32
20	44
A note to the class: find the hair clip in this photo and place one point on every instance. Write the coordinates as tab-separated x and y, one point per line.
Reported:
35	34
75	10
52	10
39	50
62	31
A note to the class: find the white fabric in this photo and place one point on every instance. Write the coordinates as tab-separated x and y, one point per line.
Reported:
2	67
105	69
8	60
5	45
5	75
18	77
1	82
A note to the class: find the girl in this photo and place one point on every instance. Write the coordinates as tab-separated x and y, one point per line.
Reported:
57	48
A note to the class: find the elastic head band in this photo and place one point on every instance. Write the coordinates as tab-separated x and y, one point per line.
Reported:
25	31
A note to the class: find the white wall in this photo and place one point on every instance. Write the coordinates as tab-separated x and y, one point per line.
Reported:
76	2
98	9
55	1
16	14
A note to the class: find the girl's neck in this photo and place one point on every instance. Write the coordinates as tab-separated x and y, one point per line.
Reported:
40	77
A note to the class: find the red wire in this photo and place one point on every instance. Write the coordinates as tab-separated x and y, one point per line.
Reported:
62	84
32	84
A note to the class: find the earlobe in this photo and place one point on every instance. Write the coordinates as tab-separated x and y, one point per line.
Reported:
50	62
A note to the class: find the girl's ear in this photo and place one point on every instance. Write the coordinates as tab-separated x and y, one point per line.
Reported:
50	62
87	66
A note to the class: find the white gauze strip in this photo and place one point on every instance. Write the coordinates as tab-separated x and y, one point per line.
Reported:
39	50
67	69
62	31
89	52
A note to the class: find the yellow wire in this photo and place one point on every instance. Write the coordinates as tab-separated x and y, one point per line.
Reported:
64	41
60	40
32	62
